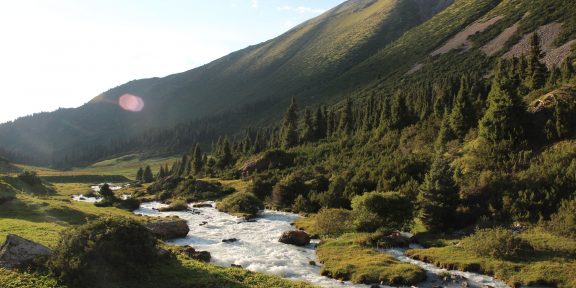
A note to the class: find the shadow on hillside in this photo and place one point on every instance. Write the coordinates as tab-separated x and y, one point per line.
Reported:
41	212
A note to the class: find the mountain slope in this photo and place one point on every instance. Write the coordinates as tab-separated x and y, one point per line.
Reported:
290	65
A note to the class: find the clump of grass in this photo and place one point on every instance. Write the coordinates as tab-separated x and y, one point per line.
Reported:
176	205
367	266
497	243
241	204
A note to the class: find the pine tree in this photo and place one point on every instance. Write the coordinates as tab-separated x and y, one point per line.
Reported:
197	161
319	124
289	129
107	193
346	121
438	197
148	176
139	174
398	111
537	70
554	77
445	134
226	157
562	123
503	121
308	134
462	115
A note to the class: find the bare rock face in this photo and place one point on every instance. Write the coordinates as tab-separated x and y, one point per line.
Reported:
295	237
17	251
169	229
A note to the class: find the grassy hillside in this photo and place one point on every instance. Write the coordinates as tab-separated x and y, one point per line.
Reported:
263	76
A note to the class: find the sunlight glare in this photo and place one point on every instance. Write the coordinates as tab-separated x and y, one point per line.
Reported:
131	102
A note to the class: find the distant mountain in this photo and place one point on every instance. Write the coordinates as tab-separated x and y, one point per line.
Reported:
359	48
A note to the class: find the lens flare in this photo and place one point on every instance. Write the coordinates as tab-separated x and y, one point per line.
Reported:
131	103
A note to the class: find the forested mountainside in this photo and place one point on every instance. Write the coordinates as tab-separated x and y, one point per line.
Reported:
358	50
259	79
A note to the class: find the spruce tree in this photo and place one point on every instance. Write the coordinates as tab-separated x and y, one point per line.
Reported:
537	70
438	197
308	127
462	115
566	70
139	174
197	161
346	119
319	124
226	157
445	134
148	176
398	111
184	165
289	131
503	120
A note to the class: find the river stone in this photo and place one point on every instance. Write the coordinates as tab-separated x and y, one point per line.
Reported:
202	256
17	251
202	205
295	237
169	229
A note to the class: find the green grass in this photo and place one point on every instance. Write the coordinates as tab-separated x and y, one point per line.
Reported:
343	258
553	261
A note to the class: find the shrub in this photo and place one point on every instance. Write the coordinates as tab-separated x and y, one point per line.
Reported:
378	210
302	205
241	203
262	186
333	222
286	191
563	222
498	243
30	178
129	204
108	249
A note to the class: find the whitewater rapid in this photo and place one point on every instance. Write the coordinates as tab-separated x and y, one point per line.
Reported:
258	249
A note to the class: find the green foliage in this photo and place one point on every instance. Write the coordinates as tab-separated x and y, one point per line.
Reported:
147	176
379	210
30	178
438	196
333	222
176	205
563	222
289	130
302	205
109	249
367	266
241	203
497	242
286	190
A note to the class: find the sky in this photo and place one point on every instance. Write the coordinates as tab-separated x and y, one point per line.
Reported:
62	53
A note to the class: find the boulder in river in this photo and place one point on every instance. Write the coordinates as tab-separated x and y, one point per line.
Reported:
202	256
295	237
169	229
17	251
230	240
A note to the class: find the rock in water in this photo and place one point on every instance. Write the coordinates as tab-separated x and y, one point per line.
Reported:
17	251
295	237
202	256
169	229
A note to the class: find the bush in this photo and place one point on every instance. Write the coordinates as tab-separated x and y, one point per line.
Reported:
498	243
262	186
241	203
333	222
378	210
302	205
286	191
563	222
129	204
30	178
109	249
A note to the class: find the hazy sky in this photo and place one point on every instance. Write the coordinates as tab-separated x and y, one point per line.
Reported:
60	53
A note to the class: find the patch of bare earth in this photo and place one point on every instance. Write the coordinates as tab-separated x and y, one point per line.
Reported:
460	40
496	44
415	68
548	34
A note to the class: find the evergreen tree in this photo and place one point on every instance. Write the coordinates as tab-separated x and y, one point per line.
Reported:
289	129
197	161
567	70
148	176
346	119
319	124
139	174
562	123
184	165
226	157
445	134
308	134
554	77
462	115
438	198
503	120
398	111
107	193
537	70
